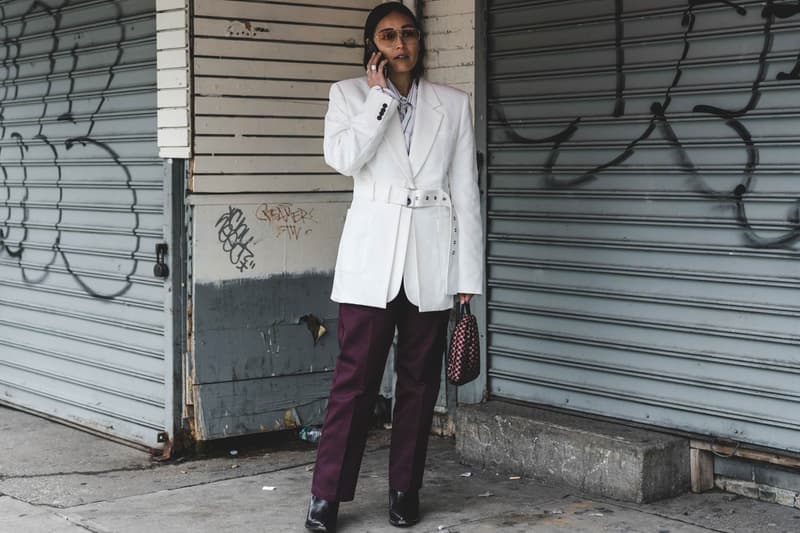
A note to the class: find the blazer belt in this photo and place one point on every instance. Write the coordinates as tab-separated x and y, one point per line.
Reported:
412	198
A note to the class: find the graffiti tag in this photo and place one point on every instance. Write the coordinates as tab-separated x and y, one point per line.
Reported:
286	219
54	132
233	231
661	120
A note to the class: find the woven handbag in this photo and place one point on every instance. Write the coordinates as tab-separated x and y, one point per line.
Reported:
464	357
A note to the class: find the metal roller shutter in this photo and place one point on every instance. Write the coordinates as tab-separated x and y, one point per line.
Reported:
81	209
643	202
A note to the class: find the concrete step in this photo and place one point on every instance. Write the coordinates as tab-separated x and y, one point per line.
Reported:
598	458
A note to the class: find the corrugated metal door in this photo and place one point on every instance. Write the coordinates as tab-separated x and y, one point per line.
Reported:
82	317
643	198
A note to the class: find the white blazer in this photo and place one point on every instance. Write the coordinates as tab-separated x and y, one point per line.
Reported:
415	218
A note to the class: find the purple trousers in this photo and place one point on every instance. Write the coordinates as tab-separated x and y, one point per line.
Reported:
365	336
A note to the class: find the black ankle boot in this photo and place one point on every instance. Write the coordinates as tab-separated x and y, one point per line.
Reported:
322	515
403	508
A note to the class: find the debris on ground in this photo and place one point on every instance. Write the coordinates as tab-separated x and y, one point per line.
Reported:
311	434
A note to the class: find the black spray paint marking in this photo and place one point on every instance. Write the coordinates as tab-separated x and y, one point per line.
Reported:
783	11
233	231
11	243
619	108
660	121
739	9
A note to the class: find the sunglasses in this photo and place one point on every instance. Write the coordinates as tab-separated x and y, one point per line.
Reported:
390	36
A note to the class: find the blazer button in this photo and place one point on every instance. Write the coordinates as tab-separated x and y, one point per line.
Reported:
380	117
408	201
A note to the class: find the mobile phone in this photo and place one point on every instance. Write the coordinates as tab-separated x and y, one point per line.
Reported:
371	48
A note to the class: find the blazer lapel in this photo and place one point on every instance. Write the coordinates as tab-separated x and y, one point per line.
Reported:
427	120
397	144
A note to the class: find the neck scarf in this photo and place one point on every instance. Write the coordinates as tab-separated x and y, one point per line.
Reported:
406	110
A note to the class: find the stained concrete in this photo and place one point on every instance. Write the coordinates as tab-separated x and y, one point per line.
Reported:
599	458
31	446
214	497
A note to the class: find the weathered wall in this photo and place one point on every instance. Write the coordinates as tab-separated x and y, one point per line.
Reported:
262	267
262	71
267	210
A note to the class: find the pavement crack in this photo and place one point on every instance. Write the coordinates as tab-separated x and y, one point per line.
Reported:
77	473
53	511
660	515
81	525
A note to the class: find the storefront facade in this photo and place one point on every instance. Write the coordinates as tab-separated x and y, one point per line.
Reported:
638	165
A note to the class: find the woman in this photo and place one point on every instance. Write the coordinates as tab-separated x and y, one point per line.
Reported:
412	240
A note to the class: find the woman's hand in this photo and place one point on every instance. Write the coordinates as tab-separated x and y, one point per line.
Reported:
464	298
375	77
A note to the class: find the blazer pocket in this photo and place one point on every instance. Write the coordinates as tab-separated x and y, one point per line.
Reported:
352	256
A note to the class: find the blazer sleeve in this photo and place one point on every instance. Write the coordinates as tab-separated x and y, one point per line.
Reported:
465	197
352	138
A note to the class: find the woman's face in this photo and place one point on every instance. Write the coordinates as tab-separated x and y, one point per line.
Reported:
402	53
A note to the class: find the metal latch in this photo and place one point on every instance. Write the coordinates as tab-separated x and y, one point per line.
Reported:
161	270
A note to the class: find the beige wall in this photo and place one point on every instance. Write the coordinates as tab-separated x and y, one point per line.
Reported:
262	72
450	33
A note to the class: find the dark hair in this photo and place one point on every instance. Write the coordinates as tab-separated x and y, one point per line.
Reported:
376	15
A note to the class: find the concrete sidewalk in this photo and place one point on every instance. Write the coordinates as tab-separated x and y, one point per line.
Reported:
58	480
